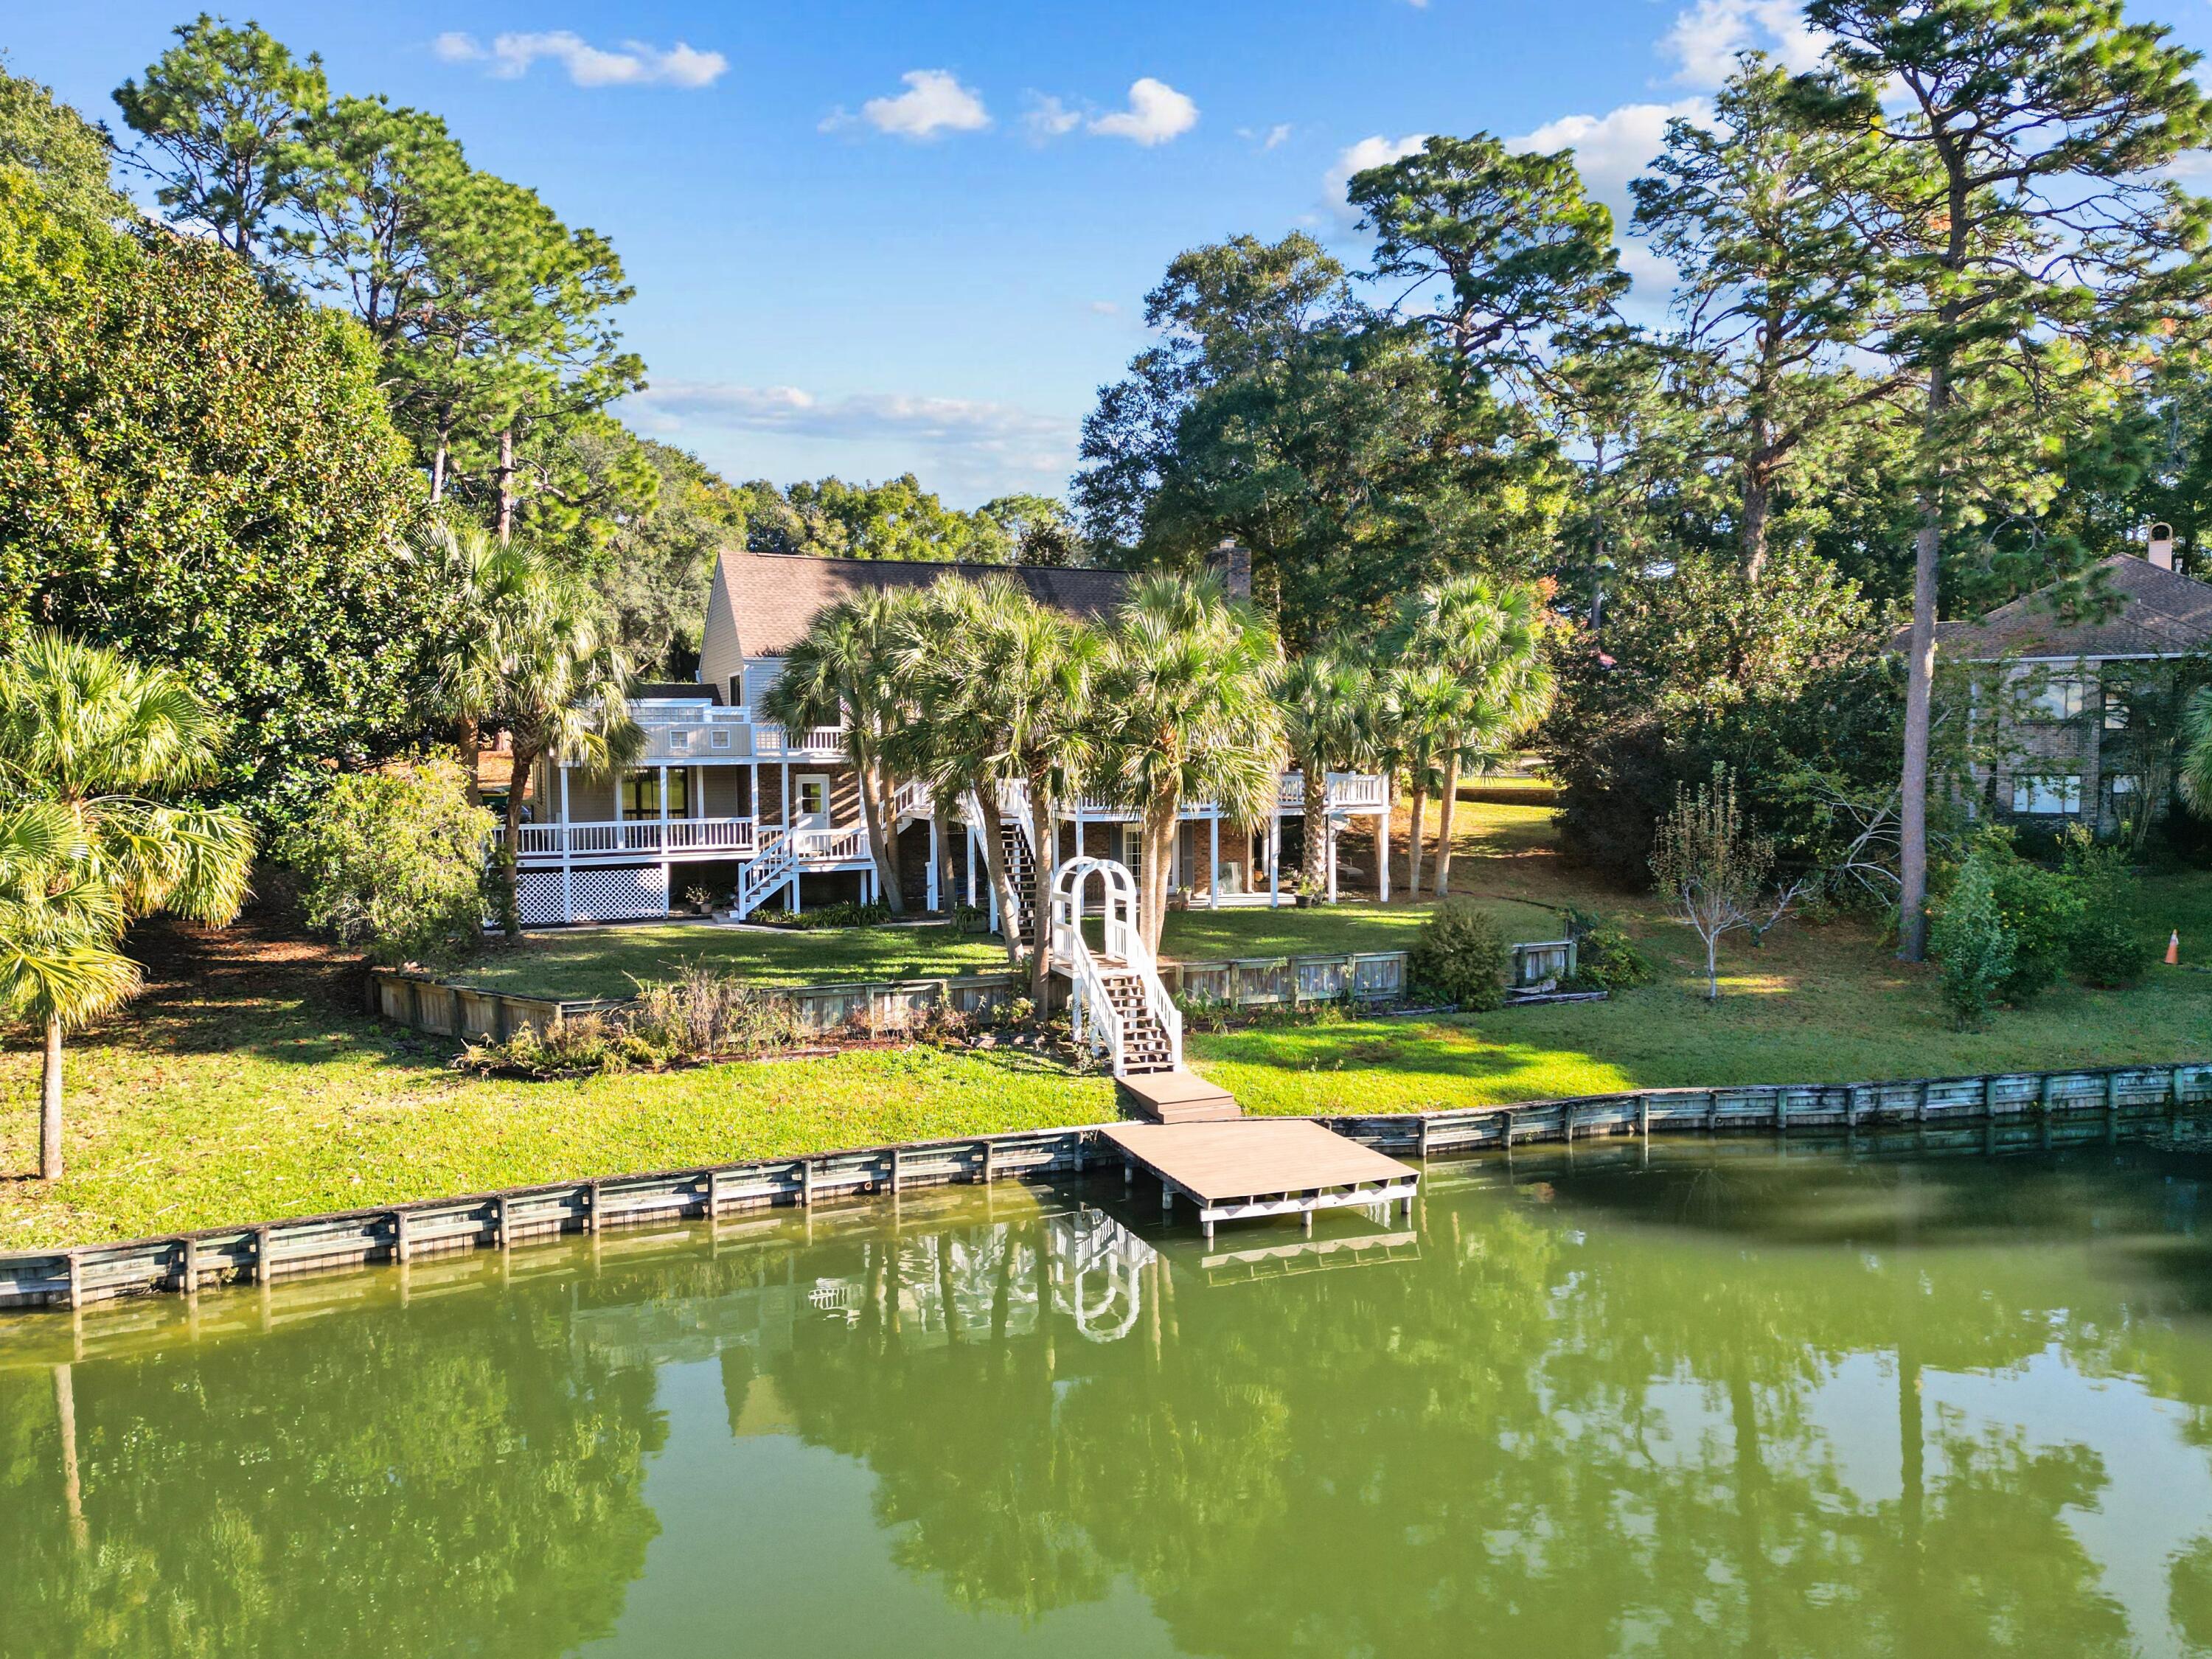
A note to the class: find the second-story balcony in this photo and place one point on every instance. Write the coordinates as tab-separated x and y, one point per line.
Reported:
688	734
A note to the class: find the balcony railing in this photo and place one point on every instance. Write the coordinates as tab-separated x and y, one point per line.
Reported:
1348	791
649	835
687	732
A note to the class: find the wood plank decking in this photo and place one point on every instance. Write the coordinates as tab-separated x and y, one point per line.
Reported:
1251	1168
1179	1097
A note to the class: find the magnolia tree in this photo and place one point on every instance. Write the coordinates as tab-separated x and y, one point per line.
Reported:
1714	870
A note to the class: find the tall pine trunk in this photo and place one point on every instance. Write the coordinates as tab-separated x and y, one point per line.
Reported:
1919	689
1444	825
50	1107
506	484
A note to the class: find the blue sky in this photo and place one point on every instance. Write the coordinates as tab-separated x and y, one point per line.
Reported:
876	236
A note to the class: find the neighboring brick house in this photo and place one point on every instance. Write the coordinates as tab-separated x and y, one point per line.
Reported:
2084	704
736	806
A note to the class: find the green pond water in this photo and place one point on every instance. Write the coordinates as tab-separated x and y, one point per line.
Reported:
1708	1398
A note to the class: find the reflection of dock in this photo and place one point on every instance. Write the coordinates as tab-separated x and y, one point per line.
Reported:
1308	1256
1253	1166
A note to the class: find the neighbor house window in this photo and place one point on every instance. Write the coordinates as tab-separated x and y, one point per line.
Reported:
2055	697
2047	796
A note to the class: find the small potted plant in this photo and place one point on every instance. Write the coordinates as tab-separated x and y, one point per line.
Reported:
1311	892
699	900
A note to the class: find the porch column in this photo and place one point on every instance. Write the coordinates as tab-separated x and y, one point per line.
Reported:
1080	822
931	895
664	835
1275	859
567	908
971	866
1329	830
1382	858
1213	859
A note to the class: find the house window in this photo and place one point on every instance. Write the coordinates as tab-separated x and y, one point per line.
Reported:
2052	697
2051	795
1133	848
640	794
2117	713
737	690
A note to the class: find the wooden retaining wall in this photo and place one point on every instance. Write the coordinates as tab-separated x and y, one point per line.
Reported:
445	1008
353	1238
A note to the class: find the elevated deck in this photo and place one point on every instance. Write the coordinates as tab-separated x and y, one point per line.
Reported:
1254	1167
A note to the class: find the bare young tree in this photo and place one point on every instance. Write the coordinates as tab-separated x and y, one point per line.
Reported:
1714	868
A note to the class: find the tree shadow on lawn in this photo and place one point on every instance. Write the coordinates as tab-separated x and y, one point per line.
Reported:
250	988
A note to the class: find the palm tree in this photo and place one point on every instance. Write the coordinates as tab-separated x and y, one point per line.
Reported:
1329	721
1429	705
845	671
1185	714
955	741
2194	775
88	743
1490	637
530	659
1030	672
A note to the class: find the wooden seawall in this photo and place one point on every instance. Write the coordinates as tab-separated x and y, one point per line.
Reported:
257	1254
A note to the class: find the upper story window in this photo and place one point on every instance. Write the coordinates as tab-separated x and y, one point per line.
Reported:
2053	696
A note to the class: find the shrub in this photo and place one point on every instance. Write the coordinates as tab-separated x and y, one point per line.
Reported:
1605	958
702	1013
2040	909
2108	947
1972	942
393	862
1460	952
588	1044
845	914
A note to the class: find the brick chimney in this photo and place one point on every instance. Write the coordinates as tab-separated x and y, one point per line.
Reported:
2160	549
1232	562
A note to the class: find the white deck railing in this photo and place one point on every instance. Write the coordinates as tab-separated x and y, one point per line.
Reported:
716	836
699	732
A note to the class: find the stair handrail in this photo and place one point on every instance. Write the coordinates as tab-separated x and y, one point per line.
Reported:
1120	939
766	870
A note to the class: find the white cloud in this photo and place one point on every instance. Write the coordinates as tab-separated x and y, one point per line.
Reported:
934	101
1703	41
634	63
1048	118
1612	148
1268	140
1374	151
1156	112
1106	307
970	446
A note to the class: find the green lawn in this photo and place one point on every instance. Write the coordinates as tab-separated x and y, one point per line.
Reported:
608	962
244	1085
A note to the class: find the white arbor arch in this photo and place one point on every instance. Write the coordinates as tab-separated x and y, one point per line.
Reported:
1094	976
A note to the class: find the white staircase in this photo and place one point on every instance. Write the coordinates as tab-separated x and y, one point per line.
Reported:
767	873
1121	1006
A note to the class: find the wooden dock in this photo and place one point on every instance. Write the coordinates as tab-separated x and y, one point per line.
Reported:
1253	1166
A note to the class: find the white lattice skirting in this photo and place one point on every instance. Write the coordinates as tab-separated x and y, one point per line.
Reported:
593	894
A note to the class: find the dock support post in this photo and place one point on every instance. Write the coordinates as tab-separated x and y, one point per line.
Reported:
192	1284
591	1206
1167	1198
1305	1220
1643	1115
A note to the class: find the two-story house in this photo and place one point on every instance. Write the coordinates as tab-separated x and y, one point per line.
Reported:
2081	701
729	804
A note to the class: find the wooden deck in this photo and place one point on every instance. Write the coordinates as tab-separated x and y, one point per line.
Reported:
1250	1168
1179	1097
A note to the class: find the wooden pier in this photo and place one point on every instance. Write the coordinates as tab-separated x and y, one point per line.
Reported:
1253	1167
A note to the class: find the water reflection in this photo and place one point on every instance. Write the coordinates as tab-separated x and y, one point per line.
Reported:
1727	1400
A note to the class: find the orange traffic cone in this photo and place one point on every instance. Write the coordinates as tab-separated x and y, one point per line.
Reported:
2173	950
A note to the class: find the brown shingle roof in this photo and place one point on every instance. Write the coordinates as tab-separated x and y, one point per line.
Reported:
774	596
2161	613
